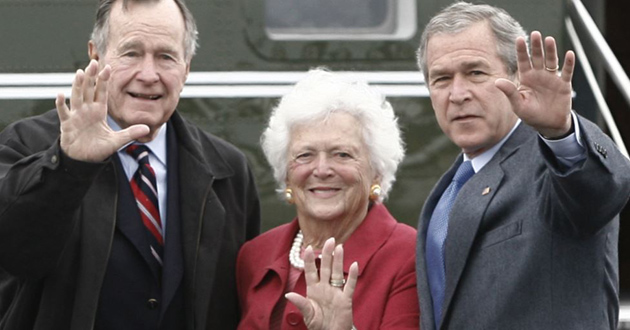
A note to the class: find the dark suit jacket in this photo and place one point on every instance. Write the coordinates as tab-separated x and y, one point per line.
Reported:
385	296
136	292
531	245
57	221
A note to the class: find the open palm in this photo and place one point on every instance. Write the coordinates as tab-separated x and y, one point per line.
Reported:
326	307
543	97
85	134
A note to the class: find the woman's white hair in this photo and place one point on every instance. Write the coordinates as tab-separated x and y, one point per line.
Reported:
318	95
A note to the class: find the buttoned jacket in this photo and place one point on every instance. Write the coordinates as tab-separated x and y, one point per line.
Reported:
385	295
58	216
530	244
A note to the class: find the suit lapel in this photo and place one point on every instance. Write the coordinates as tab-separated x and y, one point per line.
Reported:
466	215
467	212
197	201
202	216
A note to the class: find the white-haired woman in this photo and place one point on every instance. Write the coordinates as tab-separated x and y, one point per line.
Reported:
334	145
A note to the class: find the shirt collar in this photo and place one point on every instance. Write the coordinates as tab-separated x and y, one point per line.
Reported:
480	161
157	145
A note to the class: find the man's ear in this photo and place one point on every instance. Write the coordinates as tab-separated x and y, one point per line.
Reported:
92	51
186	76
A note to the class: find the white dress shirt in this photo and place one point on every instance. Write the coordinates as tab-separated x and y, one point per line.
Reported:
157	159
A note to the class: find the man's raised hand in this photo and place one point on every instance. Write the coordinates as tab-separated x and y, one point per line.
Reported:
85	134
542	98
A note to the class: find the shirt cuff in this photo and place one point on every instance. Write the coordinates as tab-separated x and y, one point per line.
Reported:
569	151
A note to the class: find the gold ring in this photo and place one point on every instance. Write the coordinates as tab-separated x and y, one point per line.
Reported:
337	283
552	69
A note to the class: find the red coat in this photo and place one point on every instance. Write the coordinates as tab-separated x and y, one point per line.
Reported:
385	296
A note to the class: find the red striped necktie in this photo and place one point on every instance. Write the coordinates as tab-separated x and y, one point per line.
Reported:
144	188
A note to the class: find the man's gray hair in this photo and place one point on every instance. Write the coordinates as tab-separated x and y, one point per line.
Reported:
100	32
460	16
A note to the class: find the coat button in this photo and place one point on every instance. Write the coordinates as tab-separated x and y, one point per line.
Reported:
293	318
152	303
54	159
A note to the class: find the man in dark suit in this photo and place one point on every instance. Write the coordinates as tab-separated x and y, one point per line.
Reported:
98	235
529	241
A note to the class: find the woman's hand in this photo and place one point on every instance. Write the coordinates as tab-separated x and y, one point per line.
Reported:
326	306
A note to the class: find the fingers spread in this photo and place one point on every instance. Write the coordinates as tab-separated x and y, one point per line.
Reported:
62	108
326	262
522	56
551	54
568	67
303	304
351	283
337	267
76	99
89	81
537	50
310	270
507	87
131	133
101	85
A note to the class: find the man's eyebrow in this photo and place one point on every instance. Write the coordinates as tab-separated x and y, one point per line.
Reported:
474	64
437	72
466	65
168	50
130	44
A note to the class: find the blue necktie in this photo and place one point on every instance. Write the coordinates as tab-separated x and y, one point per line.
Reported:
436	234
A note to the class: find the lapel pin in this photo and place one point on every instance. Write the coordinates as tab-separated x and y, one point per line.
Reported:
485	191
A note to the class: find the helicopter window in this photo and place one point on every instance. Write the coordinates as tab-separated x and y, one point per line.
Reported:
340	20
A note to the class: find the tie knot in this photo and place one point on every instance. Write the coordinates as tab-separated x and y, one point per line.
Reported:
464	172
139	152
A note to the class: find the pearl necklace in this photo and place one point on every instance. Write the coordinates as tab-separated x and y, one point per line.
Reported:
296	249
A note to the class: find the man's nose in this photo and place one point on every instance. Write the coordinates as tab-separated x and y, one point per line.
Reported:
460	90
148	72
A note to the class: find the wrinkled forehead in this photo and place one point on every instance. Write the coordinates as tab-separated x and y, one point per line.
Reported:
475	37
148	11
337	128
160	19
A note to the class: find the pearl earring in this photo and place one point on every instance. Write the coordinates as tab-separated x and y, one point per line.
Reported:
288	195
375	192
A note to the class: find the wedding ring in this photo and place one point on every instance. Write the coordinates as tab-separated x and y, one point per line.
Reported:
337	283
552	69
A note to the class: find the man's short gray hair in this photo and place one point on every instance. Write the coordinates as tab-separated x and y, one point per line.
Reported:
100	32
460	16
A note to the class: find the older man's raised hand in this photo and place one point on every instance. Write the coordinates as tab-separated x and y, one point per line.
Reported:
85	134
